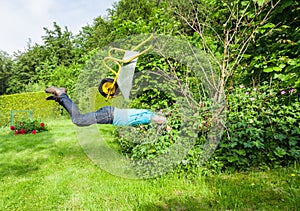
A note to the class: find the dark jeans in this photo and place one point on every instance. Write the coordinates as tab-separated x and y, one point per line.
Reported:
104	115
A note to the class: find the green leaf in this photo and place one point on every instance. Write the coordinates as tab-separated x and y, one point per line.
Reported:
241	152
272	69
268	70
280	152
268	25
277	69
279	76
293	142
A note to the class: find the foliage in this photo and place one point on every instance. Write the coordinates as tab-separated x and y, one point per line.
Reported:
148	17
25	69
130	10
59	46
95	36
262	128
40	65
262	131
28	101
275	54
180	138
63	76
6	63
25	126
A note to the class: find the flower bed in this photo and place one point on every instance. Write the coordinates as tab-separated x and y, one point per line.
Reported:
28	126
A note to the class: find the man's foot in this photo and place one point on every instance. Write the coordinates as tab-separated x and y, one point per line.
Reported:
56	91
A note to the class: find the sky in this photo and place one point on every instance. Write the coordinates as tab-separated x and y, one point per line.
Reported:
24	20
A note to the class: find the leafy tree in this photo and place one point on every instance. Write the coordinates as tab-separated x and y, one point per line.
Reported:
251	40
59	45
275	56
120	22
131	10
25	68
34	68
95	36
6	64
131	17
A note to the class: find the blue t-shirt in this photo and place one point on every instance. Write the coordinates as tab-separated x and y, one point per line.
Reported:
132	117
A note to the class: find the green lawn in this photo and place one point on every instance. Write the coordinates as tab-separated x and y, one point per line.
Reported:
50	171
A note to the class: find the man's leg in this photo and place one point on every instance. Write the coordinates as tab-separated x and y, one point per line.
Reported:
102	116
77	118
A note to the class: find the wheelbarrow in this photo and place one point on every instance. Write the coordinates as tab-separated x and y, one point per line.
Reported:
124	71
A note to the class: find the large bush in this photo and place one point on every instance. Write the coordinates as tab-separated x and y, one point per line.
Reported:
263	128
262	131
28	101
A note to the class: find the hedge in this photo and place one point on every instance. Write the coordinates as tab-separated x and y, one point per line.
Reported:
28	101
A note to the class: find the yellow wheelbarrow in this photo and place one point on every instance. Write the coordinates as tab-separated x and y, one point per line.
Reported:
123	75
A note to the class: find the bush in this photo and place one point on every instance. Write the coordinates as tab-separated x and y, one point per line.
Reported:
34	101
25	126
262	131
263	128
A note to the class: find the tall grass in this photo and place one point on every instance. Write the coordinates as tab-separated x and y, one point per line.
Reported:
49	171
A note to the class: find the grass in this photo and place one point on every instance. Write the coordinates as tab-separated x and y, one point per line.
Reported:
49	171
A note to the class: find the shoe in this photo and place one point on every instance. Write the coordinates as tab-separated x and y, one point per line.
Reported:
56	91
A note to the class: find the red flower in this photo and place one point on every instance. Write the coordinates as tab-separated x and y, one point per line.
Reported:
33	132
12	127
42	124
16	132
22	131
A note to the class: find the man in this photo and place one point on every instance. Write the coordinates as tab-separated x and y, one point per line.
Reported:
105	115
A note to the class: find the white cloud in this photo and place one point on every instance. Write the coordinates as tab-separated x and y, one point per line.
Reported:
21	20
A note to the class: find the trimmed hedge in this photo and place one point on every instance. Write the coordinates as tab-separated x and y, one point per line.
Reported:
34	101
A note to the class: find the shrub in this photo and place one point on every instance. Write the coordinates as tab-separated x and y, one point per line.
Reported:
262	131
26	126
34	101
263	128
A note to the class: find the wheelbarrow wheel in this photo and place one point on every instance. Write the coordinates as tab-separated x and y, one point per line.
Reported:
105	87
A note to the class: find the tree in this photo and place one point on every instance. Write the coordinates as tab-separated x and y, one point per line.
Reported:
59	45
133	9
226	30
36	67
95	36
25	69
275	56
6	64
